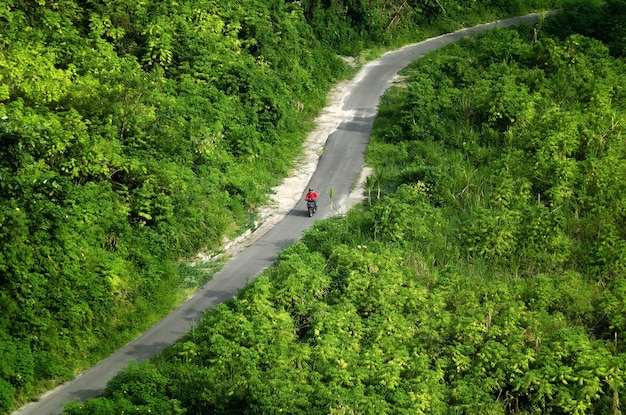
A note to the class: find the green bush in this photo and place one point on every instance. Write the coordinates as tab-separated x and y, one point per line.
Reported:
139	382
7	392
17	363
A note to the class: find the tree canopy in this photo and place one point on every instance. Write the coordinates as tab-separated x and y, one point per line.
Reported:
135	134
485	273
132	136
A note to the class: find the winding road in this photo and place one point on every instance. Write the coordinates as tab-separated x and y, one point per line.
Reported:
339	166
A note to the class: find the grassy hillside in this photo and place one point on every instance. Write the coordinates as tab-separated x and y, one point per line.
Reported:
135	134
484	275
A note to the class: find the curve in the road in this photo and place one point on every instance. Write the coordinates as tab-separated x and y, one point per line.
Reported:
339	167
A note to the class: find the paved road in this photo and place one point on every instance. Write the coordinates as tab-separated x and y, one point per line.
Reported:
339	167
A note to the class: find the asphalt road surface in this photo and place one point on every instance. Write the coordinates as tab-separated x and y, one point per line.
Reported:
338	167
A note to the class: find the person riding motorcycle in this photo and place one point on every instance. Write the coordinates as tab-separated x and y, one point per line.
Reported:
312	195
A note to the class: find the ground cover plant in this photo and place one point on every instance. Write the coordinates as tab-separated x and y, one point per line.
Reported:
485	274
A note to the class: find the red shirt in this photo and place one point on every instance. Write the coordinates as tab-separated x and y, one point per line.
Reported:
311	196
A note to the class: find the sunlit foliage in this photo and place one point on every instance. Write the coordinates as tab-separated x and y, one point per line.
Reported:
484	274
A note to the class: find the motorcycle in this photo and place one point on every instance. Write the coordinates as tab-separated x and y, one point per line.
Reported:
310	205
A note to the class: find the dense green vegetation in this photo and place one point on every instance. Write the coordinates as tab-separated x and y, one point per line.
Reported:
486	274
134	134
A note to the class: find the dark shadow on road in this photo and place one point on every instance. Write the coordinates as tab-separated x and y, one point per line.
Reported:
141	352
358	124
84	394
301	212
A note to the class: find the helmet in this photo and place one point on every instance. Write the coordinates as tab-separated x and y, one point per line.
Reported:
310	190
